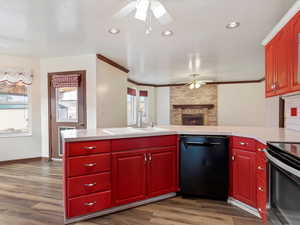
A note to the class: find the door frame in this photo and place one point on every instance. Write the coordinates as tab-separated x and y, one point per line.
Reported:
83	82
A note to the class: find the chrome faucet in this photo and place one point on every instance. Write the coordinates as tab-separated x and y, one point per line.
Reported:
140	119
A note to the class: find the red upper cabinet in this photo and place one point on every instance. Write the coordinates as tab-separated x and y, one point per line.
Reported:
295	30
161	171
270	70
278	58
283	60
129	176
244	176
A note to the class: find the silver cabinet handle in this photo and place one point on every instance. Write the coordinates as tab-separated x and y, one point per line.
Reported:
145	158
260	149
243	143
150	157
233	158
89	147
90	164
259	209
90	203
260	168
260	189
90	185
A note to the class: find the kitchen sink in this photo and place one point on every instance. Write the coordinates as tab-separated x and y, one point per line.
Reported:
131	130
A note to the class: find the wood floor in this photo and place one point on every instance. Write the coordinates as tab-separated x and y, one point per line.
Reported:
31	194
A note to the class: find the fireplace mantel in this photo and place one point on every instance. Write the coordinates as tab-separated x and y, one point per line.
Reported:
199	106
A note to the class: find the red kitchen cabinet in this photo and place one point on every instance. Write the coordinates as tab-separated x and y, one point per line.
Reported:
270	70
129	176
295	30
161	171
244	176
262	181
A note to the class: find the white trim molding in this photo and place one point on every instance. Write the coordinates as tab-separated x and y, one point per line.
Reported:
243	206
286	18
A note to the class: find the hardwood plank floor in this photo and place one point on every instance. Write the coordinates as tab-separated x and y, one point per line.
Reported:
31	194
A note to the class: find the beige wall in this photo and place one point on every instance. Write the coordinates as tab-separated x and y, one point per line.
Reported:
111	96
241	105
29	146
60	64
152	99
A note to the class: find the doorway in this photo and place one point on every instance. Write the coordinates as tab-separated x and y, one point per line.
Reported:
67	106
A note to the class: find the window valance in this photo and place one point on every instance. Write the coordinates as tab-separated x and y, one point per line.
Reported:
131	91
16	76
70	80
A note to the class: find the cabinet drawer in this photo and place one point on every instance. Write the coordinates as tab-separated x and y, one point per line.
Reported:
88	184
145	142
89	204
243	143
88	148
85	165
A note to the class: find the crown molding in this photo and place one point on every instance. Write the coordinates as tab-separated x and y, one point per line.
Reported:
112	63
284	20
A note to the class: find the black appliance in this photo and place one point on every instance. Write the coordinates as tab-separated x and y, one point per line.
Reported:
204	166
284	183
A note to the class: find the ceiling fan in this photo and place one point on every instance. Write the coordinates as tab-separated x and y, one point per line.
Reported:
196	82
144	11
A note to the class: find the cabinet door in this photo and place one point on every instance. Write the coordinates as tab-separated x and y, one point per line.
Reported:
161	171
244	176
270	70
283	55
129	176
295	30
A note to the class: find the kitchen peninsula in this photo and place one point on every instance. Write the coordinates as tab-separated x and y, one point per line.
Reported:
108	170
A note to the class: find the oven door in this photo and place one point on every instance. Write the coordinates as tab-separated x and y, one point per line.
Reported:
284	189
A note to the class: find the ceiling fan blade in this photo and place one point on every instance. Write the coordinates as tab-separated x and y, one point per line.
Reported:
125	11
160	12
142	7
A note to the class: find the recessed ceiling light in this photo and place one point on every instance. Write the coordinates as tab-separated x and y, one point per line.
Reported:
232	25
114	31
167	33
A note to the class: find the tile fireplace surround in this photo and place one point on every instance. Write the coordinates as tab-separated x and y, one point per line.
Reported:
197	101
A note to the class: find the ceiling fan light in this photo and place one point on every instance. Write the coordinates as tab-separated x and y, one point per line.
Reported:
158	9
192	86
141	9
198	85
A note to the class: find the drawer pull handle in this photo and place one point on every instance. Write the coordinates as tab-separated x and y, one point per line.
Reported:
260	168
90	164
90	203
243	143
89	148
260	150
260	188
90	185
259	209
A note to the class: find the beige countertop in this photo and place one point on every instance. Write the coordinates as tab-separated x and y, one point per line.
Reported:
261	134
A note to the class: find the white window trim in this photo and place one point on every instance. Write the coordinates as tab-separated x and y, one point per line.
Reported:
136	108
29	132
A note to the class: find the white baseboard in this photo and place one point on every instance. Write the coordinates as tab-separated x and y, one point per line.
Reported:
119	208
243	206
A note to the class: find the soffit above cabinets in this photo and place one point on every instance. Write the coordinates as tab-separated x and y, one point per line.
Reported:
56	28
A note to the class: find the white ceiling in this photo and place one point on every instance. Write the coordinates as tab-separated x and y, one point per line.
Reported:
47	28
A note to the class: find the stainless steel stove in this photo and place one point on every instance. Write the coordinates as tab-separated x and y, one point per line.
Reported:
284	183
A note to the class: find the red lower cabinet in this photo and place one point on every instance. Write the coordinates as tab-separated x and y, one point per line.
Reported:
89	203
129	176
262	182
161	172
244	174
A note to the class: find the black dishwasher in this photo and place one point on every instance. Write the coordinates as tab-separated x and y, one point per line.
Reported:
204	166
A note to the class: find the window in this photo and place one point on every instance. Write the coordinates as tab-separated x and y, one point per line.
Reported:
144	105
67	104
131	106
14	108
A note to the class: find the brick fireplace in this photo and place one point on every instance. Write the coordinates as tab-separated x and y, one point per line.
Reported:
194	107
